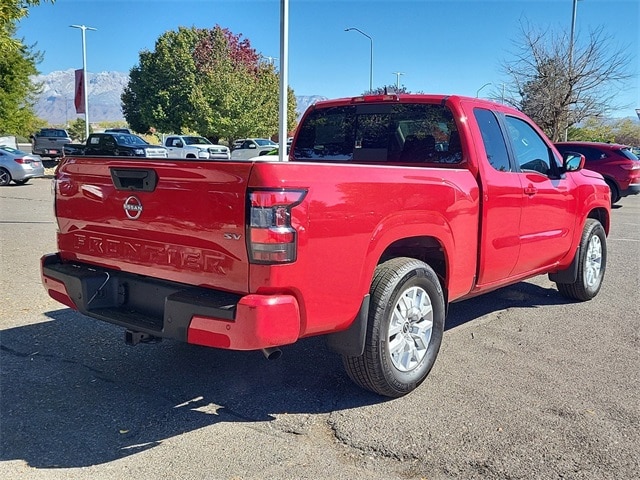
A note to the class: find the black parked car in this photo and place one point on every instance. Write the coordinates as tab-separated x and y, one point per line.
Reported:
113	144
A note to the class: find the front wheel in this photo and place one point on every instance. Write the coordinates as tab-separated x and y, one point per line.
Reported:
592	263
5	177
404	331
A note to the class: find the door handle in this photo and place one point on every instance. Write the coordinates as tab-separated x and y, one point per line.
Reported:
530	190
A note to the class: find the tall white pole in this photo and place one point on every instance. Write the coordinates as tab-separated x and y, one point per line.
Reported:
397	74
371	54
84	28
573	28
284	79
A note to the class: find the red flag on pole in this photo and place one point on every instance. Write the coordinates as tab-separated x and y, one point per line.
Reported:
79	100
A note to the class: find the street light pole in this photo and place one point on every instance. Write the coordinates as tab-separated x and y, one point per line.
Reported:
84	28
485	85
371	59
573	28
284	81
397	74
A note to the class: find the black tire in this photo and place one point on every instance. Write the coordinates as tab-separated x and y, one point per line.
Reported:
21	182
5	177
615	191
592	263
400	283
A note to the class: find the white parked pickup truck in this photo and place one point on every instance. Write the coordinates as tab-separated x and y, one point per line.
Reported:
191	146
253	147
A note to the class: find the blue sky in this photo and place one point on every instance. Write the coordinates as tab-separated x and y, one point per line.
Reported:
453	46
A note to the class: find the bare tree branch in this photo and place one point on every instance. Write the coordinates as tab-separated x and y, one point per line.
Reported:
555	94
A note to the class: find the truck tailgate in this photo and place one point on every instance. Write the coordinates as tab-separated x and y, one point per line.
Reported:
182	221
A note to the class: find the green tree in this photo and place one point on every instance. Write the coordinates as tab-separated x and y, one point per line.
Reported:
205	80
627	132
17	65
77	130
17	91
10	12
594	129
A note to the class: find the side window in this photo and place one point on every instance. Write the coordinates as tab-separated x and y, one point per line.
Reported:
593	154
494	144
531	152
587	152
327	135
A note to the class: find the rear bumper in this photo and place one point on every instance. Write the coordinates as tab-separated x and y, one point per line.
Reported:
181	312
48	152
633	189
23	173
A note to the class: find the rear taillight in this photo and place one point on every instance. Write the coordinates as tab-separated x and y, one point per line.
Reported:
271	237
631	166
23	161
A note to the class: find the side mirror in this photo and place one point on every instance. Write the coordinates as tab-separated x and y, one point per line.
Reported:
252	145
179	145
572	162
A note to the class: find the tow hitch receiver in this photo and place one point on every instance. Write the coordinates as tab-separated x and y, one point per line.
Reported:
134	338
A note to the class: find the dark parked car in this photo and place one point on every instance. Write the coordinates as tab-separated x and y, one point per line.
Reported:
619	166
116	144
118	130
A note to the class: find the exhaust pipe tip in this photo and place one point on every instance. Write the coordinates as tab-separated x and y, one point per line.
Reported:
272	353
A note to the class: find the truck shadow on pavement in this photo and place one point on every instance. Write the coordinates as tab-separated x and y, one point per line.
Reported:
75	395
519	295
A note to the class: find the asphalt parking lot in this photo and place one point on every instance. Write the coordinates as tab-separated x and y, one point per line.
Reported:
527	386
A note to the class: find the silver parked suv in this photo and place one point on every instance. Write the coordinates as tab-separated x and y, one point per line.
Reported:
48	142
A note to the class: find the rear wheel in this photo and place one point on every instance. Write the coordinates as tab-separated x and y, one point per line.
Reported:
404	332
615	192
5	177
592	262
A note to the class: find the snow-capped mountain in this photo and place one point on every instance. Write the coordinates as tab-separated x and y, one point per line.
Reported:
305	101
55	103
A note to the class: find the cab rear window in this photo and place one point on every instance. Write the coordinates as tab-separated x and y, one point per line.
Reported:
52	132
380	133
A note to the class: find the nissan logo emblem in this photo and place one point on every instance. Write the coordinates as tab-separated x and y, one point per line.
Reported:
133	207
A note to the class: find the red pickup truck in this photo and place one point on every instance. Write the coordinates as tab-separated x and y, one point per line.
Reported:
389	208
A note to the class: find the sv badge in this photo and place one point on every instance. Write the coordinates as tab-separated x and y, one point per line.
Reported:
232	236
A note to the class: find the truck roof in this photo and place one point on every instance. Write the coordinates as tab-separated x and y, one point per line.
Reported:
409	97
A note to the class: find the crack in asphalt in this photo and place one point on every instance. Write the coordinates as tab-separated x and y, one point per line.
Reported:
27	199
370	449
39	354
17	222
